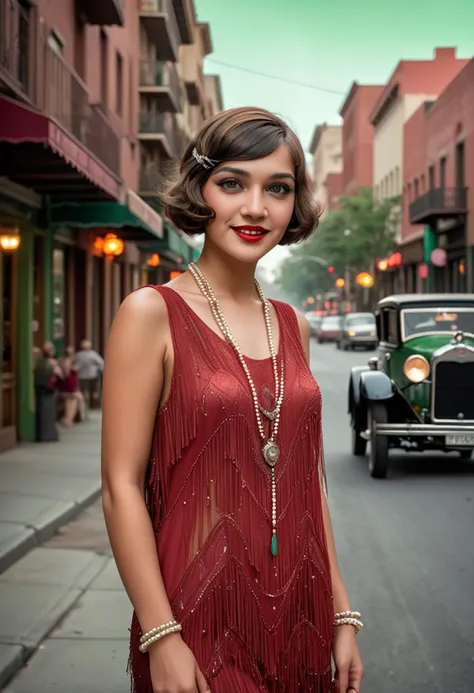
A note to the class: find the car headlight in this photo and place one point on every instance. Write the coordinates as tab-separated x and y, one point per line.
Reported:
351	333
372	334
416	368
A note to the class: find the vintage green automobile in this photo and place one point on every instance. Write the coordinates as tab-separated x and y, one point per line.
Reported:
418	394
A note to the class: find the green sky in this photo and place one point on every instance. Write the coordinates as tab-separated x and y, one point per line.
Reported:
324	44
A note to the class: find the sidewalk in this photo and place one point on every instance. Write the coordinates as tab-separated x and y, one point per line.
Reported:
42	487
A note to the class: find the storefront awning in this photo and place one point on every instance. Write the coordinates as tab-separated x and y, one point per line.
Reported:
127	220
38	153
173	246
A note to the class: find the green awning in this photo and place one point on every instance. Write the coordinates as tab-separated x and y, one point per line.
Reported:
136	214
173	246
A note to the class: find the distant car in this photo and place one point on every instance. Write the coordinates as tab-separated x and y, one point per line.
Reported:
329	329
358	329
419	394
314	323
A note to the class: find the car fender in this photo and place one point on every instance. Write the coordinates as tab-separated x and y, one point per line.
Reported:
354	385
375	386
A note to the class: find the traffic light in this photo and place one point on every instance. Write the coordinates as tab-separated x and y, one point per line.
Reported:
331	270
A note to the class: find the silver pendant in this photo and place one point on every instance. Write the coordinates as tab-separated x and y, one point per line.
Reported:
269	414
271	453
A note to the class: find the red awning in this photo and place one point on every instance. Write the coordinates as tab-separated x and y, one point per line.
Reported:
22	125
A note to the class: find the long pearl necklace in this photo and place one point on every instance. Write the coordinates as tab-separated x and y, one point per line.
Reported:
270	449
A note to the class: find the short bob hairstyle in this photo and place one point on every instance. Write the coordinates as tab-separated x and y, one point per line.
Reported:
238	134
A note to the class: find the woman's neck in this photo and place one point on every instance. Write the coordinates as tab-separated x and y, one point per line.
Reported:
229	278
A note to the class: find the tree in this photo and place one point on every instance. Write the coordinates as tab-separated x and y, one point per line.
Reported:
351	238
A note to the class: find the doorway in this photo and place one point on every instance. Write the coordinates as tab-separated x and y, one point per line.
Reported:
9	349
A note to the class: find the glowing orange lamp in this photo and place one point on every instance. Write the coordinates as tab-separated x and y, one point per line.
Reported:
175	273
11	240
113	246
154	260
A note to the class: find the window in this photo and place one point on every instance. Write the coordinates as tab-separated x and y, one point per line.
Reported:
442	172
460	165
104	64
415	186
397	181
392	189
431	177
389	326
409	192
119	83
422	182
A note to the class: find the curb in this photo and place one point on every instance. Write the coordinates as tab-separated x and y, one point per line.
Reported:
31	537
14	655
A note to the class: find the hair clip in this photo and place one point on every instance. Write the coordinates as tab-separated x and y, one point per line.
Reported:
204	161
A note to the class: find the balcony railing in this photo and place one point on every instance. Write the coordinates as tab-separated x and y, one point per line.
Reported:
17	35
165	75
165	127
62	95
160	23
438	203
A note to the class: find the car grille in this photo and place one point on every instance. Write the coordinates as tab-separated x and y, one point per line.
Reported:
363	334
453	393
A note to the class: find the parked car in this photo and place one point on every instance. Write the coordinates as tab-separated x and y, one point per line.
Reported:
329	329
419	394
358	329
314	323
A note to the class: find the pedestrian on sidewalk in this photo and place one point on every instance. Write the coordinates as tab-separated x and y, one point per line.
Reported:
47	377
89	366
214	487
74	404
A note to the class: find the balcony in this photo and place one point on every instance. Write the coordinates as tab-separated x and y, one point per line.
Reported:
161	130
161	81
159	21
17	40
64	97
101	12
185	19
438	203
191	65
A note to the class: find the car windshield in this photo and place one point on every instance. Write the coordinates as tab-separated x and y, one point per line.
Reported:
433	320
361	319
331	320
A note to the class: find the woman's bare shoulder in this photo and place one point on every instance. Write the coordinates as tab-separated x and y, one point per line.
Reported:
144	306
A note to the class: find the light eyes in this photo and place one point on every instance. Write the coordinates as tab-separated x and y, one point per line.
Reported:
233	185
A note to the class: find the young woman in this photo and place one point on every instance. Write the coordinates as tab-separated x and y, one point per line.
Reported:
213	472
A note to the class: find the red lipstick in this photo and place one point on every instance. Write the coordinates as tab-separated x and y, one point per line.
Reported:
250	234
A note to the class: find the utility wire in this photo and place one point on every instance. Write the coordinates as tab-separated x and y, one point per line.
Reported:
277	77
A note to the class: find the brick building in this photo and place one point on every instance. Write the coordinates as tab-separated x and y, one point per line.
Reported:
92	94
438	185
358	136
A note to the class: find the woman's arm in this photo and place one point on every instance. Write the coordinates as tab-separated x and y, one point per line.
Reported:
349	667
133	382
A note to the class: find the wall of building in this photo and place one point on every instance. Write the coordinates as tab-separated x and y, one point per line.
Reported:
414	168
357	136
327	158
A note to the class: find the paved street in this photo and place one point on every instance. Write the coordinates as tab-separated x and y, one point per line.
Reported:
405	546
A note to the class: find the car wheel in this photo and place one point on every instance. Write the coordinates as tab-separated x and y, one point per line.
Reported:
359	445
465	454
378	455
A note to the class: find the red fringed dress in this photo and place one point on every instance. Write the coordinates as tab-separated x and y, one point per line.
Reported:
256	623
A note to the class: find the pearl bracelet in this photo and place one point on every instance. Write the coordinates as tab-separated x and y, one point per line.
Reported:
156	630
143	647
357	623
347	614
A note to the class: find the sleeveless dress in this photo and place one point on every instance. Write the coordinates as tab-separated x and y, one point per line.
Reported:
256	623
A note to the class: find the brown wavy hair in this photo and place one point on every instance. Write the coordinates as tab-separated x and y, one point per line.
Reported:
238	134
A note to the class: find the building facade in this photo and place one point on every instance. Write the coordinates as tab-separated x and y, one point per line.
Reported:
438	183
326	148
358	137
93	102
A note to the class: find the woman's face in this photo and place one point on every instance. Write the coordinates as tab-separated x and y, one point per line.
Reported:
253	203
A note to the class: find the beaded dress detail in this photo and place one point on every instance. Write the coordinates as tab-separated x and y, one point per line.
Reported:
256	623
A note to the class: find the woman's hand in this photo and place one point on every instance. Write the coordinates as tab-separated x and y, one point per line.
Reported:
173	667
349	667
